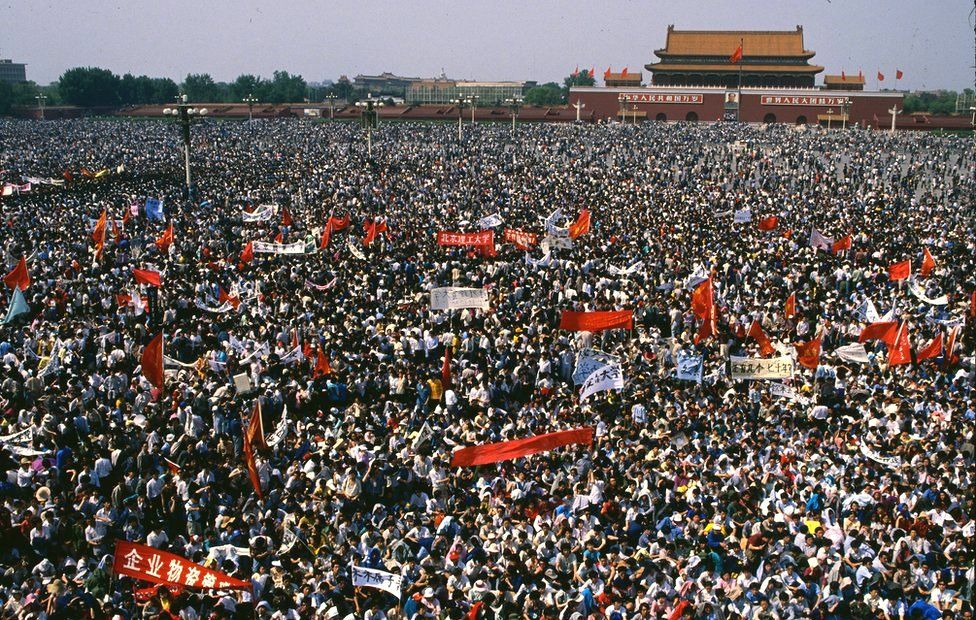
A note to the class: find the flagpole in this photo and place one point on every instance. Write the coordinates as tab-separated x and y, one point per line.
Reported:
738	103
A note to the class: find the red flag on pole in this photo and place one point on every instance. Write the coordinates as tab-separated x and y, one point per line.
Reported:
623	73
581	226
880	76
789	310
606	74
884	331
931	350
736	56
928	263
843	76
247	254
576	71
252	468
223	296
255	428
949	358
808	353
592	72
898	74
371	232
841	245
166	239
98	235
900	352
767	223
446	368
147	276
339	223
285	217
900	271
18	276
508	450
152	361
322	366
702	299
756	333
326	235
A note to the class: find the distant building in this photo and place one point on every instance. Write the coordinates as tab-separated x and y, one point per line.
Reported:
384	84
11	71
844	82
441	91
619	79
770	59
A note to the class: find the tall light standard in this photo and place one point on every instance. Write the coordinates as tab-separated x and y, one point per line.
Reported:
332	99
370	115
579	105
513	105
250	100
185	112
894	111
40	103
846	106
474	105
623	108
830	115
461	103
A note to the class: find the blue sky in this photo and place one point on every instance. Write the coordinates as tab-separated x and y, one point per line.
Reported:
506	39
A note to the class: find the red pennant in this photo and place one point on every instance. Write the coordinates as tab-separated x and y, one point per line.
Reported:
885	331
900	271
446	368
928	263
255	428
768	223
286	217
247	254
841	245
756	333
166	239
789	309
900	352
322	366
152	361
508	450
702	299
736	56
326	235
581	226
146	276
808	353
18	276
931	350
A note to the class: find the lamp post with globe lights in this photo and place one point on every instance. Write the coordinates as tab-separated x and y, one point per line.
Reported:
514	105
250	100
186	114
370	116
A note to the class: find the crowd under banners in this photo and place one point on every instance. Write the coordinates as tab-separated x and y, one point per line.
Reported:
490	221
607	377
373	578
689	367
761	369
508	450
456	298
264	247
742	216
149	564
596	321
590	360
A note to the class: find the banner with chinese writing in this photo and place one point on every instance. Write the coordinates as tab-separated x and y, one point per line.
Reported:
485	238
689	367
456	297
596	321
589	361
373	578
522	240
150	564
490	221
263	247
609	377
262	213
757	368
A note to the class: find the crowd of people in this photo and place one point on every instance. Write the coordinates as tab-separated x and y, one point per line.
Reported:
844	492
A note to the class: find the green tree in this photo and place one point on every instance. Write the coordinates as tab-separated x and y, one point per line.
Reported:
89	87
545	94
247	84
164	90
286	88
201	88
6	97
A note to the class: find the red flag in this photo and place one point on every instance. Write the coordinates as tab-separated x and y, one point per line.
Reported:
522	240
768	223
880	76
339	223
841	245
280	237
931	350
928	263
900	271
98	233
116	232
326	235
581	226
508	450
756	333
623	73
446	368
950	358
884	331
596	321
146	276
483	239
247	254
173	467
708	327
576	71
736	56
592	72
255	428
150	564
606	74
789	310
972	304
899	74
900	352
285	217
322	366
18	276
252	468
702	299
843	76
808	353
152	361
371	232
222	297
165	240
860	74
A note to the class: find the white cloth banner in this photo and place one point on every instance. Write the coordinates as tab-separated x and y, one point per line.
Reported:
552	221
696	277
551	242
490	221
758	368
169	361
455	297
689	367
259	352
545	261
917	291
590	360
888	461
54	361
617	271
867	312
221	309
262	213
820	242
280	431
608	377
854	352
355	251
263	247
380	579
24	436
742	216
782	390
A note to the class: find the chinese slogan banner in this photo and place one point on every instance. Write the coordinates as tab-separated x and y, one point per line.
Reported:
372	578
456	297
596	321
150	564
749	368
485	238
522	240
609	377
263	247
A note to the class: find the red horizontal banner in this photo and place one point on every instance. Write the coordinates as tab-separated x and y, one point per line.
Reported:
661	98
596	321
151	564
508	450
522	240
485	238
810	100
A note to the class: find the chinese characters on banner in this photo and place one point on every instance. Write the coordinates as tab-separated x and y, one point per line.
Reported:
455	297
372	578
757	368
263	247
522	240
478	239
150	564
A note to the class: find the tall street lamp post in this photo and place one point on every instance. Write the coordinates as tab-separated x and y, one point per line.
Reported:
186	114
250	100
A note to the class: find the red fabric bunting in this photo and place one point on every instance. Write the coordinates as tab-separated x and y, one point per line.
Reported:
596	321
508	450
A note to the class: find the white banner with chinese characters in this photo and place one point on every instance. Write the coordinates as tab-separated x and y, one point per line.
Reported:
758	368
150	564
380	579
608	377
456	297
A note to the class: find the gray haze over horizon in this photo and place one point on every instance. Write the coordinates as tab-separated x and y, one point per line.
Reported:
541	40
